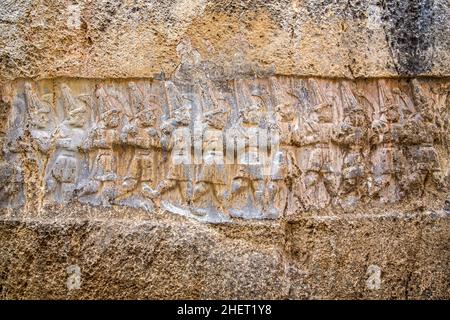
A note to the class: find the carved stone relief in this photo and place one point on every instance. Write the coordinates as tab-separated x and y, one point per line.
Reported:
214	151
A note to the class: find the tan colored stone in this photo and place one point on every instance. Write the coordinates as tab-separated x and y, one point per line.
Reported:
349	199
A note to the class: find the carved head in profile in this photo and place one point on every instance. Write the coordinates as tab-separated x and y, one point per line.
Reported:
146	118
38	108
76	117
216	118
285	111
252	113
111	118
380	126
41	116
323	112
182	115
357	118
391	113
75	108
168	126
132	86
187	53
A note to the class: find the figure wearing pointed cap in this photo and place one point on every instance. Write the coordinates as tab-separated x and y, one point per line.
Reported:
176	139
249	180
12	147
318	181
137	100
40	111
39	108
418	134
142	135
102	138
63	176
283	133
211	177
352	136
42	127
190	68
387	157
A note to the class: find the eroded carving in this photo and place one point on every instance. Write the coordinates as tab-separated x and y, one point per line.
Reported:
64	171
253	149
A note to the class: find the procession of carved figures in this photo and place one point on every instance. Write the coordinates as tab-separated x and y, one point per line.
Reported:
329	143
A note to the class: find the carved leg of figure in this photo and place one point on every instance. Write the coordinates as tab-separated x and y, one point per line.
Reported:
418	178
238	185
436	177
165	186
276	199
149	192
187	190
89	188
330	181
387	188
128	185
315	195
51	185
259	188
109	193
67	192
272	189
222	194
200	189
348	194
295	196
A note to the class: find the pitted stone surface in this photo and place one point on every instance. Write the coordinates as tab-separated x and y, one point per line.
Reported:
344	195
109	39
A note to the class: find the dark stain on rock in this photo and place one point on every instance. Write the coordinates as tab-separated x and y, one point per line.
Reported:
409	29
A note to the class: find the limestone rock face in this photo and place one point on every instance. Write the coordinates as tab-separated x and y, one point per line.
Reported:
221	149
323	38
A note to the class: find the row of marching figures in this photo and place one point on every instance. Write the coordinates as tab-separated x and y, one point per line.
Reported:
250	148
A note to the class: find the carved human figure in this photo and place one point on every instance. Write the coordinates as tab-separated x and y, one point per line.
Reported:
63	174
211	178
13	147
352	136
176	139
386	156
440	97
190	67
318	180
284	138
249	182
40	111
143	136
11	183
418	134
137	100
102	138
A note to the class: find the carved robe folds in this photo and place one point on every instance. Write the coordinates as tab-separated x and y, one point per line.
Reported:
215	151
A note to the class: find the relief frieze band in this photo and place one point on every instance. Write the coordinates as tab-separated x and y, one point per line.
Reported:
259	148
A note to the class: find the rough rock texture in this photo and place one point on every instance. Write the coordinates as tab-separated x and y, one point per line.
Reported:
326	38
89	90
312	258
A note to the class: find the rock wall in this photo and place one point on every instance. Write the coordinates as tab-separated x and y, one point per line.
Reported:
222	149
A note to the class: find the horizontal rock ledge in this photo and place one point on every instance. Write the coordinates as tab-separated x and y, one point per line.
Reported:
392	256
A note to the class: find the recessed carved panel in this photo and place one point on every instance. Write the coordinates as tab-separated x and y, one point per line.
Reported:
215	151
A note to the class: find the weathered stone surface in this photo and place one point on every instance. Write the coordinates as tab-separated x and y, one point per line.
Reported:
338	118
390	256
322	257
218	151
109	39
